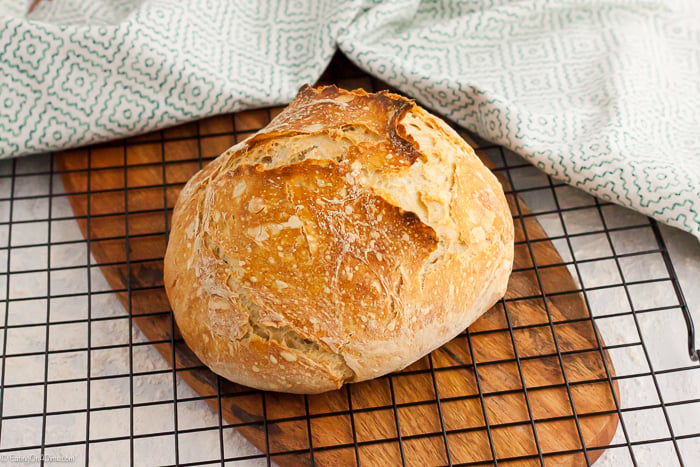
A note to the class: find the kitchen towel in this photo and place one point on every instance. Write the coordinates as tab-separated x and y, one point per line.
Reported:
602	94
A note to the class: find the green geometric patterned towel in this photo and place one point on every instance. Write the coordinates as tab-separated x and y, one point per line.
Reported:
602	94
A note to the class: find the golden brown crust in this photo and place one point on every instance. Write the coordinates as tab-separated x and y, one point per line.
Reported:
347	239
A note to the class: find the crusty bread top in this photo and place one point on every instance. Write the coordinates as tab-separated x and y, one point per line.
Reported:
352	235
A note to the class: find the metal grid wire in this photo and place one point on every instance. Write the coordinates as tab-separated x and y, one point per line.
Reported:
43	309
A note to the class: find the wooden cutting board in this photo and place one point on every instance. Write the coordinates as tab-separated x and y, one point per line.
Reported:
530	372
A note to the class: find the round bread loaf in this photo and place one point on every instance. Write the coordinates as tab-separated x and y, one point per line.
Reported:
347	239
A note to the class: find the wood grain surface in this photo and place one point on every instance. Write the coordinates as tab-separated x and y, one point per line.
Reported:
529	373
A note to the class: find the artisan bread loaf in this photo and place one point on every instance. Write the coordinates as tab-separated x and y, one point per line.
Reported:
347	239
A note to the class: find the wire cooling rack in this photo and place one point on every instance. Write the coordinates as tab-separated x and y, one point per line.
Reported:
81	384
